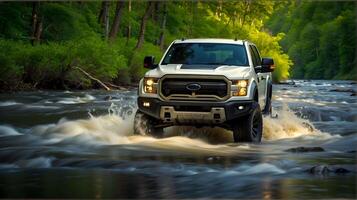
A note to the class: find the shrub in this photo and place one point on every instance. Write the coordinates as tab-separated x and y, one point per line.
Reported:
136	62
53	65
10	70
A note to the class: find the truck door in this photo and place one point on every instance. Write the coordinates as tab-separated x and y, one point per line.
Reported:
261	77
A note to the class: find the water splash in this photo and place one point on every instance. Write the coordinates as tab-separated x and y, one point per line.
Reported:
77	100
8	131
287	125
9	103
117	128
107	129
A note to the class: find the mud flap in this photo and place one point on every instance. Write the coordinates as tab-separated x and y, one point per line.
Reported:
273	114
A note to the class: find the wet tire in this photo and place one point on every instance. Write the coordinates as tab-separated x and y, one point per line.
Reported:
249	128
267	109
145	125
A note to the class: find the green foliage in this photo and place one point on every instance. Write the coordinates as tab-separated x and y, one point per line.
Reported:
73	36
63	22
136	65
14	23
269	47
54	65
320	38
10	72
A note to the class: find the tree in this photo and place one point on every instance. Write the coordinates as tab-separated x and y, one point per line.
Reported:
128	30
320	38
36	23
115	26
104	18
144	19
163	25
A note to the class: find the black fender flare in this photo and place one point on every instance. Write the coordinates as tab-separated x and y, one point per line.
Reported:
254	91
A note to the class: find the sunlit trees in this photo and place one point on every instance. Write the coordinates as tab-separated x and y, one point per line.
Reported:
320	38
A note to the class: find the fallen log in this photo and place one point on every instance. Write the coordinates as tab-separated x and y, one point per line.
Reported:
115	86
93	78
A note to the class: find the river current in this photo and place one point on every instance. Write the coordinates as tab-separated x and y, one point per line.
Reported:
79	144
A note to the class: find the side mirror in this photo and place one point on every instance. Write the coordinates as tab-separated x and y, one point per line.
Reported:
267	65
149	62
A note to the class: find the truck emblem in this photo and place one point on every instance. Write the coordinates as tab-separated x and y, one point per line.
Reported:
193	86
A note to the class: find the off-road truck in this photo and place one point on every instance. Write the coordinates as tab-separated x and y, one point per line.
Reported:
206	82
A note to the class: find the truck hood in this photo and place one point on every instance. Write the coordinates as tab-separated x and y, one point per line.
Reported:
231	72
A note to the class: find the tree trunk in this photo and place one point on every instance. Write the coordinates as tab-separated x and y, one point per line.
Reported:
100	16
38	31
128	30
35	6
36	23
163	25
155	13
144	19
103	18
115	26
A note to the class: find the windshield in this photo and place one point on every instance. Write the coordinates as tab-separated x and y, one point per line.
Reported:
206	54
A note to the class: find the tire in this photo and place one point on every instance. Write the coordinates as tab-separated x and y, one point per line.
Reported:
267	109
145	125
249	128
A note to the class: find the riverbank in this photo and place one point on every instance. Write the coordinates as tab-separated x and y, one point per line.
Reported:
25	87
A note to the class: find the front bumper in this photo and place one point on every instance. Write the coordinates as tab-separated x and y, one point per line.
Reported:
188	112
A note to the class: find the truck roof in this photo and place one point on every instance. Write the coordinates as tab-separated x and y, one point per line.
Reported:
210	40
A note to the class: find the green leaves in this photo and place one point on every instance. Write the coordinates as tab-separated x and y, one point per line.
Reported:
320	39
44	65
72	36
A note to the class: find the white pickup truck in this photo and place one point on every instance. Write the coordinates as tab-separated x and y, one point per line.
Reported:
206	82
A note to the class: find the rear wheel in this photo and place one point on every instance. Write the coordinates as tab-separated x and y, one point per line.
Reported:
249	128
145	125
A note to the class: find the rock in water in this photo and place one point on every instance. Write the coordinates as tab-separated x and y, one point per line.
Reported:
341	171
320	169
108	98
305	149
342	90
323	170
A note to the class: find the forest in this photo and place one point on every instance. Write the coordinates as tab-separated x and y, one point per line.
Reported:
320	38
61	45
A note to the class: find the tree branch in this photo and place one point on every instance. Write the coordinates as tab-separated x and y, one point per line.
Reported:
93	78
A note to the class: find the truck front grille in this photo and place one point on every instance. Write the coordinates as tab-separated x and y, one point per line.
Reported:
210	88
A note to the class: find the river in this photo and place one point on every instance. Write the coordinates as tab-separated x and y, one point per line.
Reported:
79	144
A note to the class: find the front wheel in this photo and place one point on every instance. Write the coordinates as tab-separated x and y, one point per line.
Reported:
249	128
145	125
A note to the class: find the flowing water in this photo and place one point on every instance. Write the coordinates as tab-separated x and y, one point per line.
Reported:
59	144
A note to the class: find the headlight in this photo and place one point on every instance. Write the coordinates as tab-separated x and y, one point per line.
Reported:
240	87
150	85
